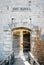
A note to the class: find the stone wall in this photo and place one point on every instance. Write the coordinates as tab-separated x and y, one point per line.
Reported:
38	49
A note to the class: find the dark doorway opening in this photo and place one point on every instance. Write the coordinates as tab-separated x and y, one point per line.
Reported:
16	44
26	42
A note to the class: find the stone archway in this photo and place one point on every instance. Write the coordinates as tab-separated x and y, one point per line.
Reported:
21	40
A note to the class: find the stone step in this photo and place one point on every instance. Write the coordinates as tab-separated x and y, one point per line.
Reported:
18	61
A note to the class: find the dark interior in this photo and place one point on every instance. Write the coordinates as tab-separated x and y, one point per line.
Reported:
26	42
15	44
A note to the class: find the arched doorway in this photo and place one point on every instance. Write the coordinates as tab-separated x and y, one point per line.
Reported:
21	40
